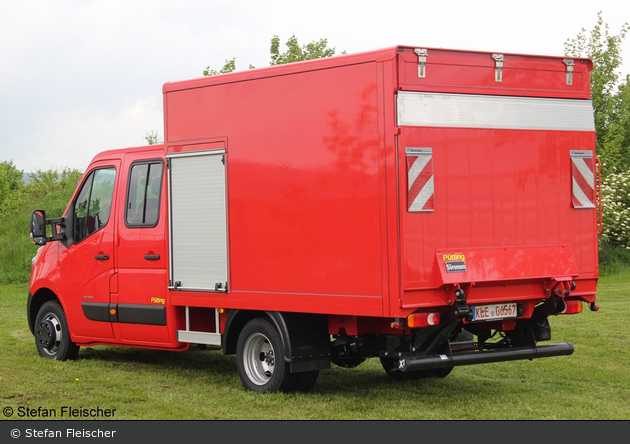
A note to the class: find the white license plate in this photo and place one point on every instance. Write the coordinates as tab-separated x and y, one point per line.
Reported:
494	311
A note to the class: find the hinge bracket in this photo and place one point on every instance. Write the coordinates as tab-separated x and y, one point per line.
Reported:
422	61
570	64
498	67
220	286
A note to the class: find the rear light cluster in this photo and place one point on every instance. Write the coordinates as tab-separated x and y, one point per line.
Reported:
573	306
418	320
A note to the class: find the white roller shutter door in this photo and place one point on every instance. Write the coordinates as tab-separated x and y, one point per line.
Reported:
198	221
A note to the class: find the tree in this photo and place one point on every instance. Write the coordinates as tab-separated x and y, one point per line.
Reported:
10	180
294	53
230	65
152	138
610	94
50	190
611	102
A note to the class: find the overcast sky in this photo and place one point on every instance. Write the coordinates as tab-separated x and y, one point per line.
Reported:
79	77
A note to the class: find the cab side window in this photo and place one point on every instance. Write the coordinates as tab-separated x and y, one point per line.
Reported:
143	194
93	204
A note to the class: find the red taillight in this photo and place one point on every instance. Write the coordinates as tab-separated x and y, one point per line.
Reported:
572	306
418	320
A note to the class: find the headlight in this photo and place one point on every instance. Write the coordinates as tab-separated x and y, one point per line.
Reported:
35	257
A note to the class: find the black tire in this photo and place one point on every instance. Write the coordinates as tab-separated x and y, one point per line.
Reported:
442	372
51	333
260	359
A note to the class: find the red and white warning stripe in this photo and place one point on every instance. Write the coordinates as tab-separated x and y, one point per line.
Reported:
420	195
583	177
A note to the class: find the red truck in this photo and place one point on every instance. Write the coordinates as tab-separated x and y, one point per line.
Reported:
427	207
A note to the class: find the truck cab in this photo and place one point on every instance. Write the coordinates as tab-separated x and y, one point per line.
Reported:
108	269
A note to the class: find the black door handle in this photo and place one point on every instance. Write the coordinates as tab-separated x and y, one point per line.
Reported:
102	257
152	257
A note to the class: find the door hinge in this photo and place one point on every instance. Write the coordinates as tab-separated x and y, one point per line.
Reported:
422	61
570	64
220	286
498	67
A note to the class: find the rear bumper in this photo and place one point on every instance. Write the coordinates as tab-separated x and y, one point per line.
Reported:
413	363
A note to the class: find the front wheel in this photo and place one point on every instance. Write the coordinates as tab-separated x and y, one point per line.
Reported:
260	358
51	333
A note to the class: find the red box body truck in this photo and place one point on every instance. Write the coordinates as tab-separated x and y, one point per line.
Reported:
428	207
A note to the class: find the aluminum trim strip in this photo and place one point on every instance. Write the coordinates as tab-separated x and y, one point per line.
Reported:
197	337
497	112
195	153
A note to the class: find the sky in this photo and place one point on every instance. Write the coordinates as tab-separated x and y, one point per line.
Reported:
80	77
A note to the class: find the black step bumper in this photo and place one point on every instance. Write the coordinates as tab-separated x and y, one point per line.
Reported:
413	363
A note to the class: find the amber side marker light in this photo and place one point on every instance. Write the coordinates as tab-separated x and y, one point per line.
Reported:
112	312
417	320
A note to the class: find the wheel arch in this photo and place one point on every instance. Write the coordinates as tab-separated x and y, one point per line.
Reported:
237	319
35	302
304	336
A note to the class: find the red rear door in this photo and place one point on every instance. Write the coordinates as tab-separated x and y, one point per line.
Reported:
141	251
486	195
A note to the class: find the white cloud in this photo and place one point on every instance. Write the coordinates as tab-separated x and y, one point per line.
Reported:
70	69
71	138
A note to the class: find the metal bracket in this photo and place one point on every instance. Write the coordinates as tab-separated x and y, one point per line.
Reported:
498	68
220	287
570	64
422	60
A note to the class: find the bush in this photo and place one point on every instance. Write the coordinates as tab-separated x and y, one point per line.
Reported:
613	260
616	210
48	190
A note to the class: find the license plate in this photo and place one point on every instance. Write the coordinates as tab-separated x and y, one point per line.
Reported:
494	311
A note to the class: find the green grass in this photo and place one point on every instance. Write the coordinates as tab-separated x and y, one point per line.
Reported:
614	260
201	384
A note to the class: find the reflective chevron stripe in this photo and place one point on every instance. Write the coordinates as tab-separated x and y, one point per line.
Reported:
583	178
420	195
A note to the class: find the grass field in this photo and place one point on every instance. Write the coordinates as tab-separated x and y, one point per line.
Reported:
202	384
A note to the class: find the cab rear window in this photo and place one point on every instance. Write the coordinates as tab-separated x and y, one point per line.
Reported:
143	194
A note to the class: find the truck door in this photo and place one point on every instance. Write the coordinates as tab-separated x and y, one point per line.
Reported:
486	195
141	252
86	267
198	221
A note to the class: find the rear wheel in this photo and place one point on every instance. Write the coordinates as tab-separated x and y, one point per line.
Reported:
391	368
442	372
304	382
260	358
51	333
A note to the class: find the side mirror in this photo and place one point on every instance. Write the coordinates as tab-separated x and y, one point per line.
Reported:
38	227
